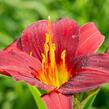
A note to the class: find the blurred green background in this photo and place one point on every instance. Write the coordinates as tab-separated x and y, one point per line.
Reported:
15	15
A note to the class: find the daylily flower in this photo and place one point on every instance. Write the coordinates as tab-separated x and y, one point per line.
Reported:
59	57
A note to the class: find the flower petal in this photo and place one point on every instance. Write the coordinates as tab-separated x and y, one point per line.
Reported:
90	39
21	66
92	71
65	35
65	32
33	38
55	100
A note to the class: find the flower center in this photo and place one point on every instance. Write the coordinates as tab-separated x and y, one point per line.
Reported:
52	73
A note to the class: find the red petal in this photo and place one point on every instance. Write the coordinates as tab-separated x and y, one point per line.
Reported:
92	71
21	66
90	39
56	100
65	33
33	38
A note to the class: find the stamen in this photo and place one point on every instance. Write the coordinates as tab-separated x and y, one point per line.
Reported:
47	38
49	26
30	53
63	67
63	57
52	73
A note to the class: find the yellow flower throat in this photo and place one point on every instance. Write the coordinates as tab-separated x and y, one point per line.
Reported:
52	73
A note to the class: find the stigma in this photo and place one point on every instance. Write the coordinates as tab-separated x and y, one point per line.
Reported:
52	73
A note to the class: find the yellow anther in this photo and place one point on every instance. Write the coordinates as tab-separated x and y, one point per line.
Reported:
63	54
30	53
50	29
49	24
43	58
53	46
49	18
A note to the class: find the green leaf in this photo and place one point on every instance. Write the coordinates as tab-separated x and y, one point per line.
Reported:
37	96
76	103
4	39
86	104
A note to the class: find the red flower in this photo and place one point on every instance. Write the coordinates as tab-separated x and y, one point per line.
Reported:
59	57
